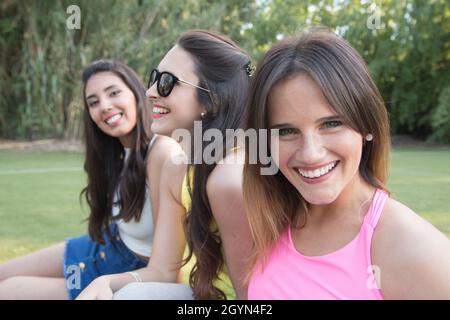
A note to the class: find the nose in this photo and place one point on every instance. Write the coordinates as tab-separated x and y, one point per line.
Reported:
105	104
151	92
311	149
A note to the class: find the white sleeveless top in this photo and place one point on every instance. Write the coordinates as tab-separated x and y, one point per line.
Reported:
137	235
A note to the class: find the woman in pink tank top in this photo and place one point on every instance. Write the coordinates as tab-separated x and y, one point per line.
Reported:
324	226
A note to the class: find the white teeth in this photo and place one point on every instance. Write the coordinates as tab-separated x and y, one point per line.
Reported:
317	172
160	110
114	118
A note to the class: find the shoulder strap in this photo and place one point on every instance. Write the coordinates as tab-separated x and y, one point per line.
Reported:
152	142
376	207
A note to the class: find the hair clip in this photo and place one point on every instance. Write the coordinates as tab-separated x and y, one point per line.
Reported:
249	68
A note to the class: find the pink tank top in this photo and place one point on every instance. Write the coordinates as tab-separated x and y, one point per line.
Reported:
342	274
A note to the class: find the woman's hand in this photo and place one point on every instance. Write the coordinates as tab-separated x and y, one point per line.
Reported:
99	289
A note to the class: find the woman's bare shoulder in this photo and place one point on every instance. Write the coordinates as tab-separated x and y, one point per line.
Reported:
227	175
412	255
164	148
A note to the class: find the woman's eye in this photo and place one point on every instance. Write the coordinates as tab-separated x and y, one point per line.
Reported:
115	93
92	103
332	124
286	131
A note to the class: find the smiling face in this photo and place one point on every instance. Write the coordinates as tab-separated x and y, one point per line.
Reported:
318	153
112	105
181	107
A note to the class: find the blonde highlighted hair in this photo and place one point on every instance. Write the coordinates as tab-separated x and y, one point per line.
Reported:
271	202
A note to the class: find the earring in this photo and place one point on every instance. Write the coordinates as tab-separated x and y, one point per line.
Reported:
202	115
369	137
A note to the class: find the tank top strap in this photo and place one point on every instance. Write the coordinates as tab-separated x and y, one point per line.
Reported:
152	141
150	145
376	207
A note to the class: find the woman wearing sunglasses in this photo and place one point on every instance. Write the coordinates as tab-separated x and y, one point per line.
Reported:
204	78
123	164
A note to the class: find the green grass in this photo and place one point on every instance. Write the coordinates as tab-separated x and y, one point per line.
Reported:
420	179
39	193
39	200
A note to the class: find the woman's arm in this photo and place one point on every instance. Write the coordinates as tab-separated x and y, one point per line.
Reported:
168	244
224	190
413	257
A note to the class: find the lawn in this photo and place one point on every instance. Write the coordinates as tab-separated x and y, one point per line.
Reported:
39	203
39	195
421	180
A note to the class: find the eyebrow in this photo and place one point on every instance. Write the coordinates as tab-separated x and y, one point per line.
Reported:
324	119
333	117
106	89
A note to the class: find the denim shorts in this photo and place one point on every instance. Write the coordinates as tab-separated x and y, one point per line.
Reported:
84	260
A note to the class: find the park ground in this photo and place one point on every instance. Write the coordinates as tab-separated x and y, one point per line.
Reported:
39	193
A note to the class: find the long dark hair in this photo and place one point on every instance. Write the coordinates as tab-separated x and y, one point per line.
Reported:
220	65
272	202
104	163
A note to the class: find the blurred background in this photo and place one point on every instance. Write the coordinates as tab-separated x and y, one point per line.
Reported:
44	46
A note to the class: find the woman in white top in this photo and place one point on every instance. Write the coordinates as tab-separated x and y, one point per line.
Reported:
123	159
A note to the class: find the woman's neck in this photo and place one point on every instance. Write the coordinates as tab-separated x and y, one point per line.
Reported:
185	145
352	202
126	141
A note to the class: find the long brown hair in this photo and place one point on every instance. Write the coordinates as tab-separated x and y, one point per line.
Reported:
272	203
221	67
104	164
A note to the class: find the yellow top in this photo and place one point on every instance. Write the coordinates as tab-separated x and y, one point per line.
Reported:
224	283
186	200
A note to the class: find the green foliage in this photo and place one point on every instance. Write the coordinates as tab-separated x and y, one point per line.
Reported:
41	59
441	118
408	54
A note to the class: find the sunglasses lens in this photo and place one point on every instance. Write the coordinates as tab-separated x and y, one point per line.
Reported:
152	79
166	83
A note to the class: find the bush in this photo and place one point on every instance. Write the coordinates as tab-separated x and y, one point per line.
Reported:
441	118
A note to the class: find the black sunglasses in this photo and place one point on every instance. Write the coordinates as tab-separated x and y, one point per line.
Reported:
166	81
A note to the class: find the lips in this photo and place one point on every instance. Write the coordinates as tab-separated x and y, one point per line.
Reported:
319	171
113	119
159	111
317	174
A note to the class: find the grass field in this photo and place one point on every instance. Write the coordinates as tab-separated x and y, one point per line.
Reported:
39	195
